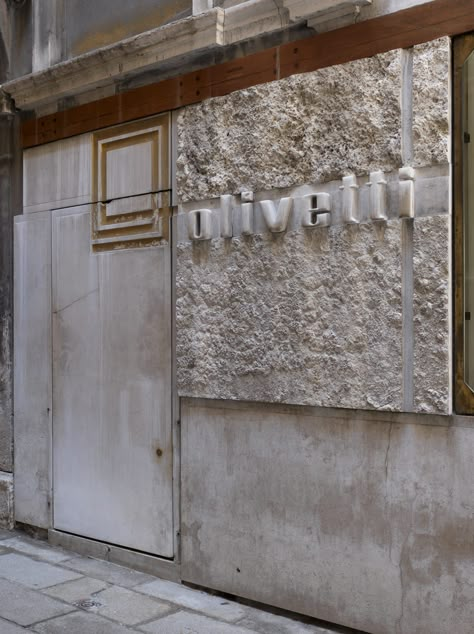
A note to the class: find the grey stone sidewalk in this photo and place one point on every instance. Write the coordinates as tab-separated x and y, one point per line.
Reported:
48	590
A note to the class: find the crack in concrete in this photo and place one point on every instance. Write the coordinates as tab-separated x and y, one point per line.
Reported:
60	310
278	7
402	587
387	509
388	450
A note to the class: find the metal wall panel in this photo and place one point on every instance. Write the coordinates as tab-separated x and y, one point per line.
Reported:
58	174
32	368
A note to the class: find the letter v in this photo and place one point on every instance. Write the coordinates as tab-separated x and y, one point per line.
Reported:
276	221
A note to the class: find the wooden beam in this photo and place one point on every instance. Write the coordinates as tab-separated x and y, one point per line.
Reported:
403	29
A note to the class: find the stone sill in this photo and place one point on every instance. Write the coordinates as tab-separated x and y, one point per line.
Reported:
450	420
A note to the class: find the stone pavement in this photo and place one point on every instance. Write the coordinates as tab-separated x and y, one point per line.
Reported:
50	591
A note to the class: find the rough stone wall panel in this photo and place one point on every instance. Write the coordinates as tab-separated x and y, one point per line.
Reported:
432	314
431	98
324	334
311	127
298	318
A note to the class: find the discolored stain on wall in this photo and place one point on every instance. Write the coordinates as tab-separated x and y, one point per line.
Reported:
87	31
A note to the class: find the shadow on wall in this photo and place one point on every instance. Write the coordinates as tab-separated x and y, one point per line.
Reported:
85	32
16	38
3	61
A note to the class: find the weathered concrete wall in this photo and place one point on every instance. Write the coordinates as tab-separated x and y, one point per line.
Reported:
16	39
7	187
345	316
63	30
356	518
39	33
10	201
88	30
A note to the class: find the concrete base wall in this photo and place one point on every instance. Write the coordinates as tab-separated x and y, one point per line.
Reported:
358	518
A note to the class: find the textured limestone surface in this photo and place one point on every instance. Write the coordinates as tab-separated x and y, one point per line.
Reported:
297	318
431	97
431	314
6	500
311	127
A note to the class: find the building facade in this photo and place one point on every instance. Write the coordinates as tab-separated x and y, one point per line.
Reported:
236	288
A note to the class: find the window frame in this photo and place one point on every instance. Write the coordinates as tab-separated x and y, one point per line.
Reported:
463	46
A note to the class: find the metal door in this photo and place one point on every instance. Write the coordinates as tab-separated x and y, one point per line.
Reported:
112	391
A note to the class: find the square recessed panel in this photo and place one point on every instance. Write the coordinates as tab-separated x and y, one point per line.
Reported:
131	185
130	166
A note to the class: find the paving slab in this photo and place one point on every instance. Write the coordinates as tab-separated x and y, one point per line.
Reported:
268	623
186	623
24	607
4	534
129	607
80	623
37	549
113	599
111	573
194	599
31	573
82	589
11	628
